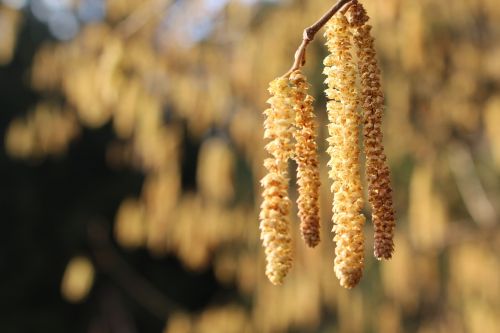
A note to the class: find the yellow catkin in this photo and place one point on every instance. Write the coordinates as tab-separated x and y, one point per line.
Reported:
372	102
343	129
306	157
274	220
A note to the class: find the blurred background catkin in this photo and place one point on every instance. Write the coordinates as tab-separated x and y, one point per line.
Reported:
133	149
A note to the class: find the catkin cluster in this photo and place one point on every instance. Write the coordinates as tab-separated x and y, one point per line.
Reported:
355	101
343	130
291	131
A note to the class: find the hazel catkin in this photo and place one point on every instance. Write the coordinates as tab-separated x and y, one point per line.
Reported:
372	103
306	157
343	129
274	220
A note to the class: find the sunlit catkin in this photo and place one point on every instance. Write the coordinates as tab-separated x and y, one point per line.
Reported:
343	129
306	157
274	221
372	102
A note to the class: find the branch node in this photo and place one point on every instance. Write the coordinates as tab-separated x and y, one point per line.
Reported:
310	32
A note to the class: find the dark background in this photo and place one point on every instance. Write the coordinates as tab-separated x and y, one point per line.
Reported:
49	209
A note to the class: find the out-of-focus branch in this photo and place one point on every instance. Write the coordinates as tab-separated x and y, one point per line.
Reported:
310	32
140	17
475	198
111	263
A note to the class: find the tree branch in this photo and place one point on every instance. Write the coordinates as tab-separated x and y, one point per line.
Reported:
480	207
141	16
310	32
137	287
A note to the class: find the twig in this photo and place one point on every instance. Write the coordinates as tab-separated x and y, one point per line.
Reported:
110	262
140	17
310	32
474	195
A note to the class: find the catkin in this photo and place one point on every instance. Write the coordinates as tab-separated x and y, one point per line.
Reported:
372	102
307	160
274	220
343	129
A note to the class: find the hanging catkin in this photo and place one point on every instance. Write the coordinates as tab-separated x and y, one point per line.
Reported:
306	156
343	149
372	102
274	220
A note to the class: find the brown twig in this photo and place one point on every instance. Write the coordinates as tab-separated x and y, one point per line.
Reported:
137	287
480	207
310	32
140	17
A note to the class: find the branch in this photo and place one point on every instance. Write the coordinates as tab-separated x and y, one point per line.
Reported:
137	287
310	32
140	17
480	207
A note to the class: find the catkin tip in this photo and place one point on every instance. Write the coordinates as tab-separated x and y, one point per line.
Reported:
351	279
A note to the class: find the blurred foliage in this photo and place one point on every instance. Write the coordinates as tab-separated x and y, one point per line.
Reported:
153	115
